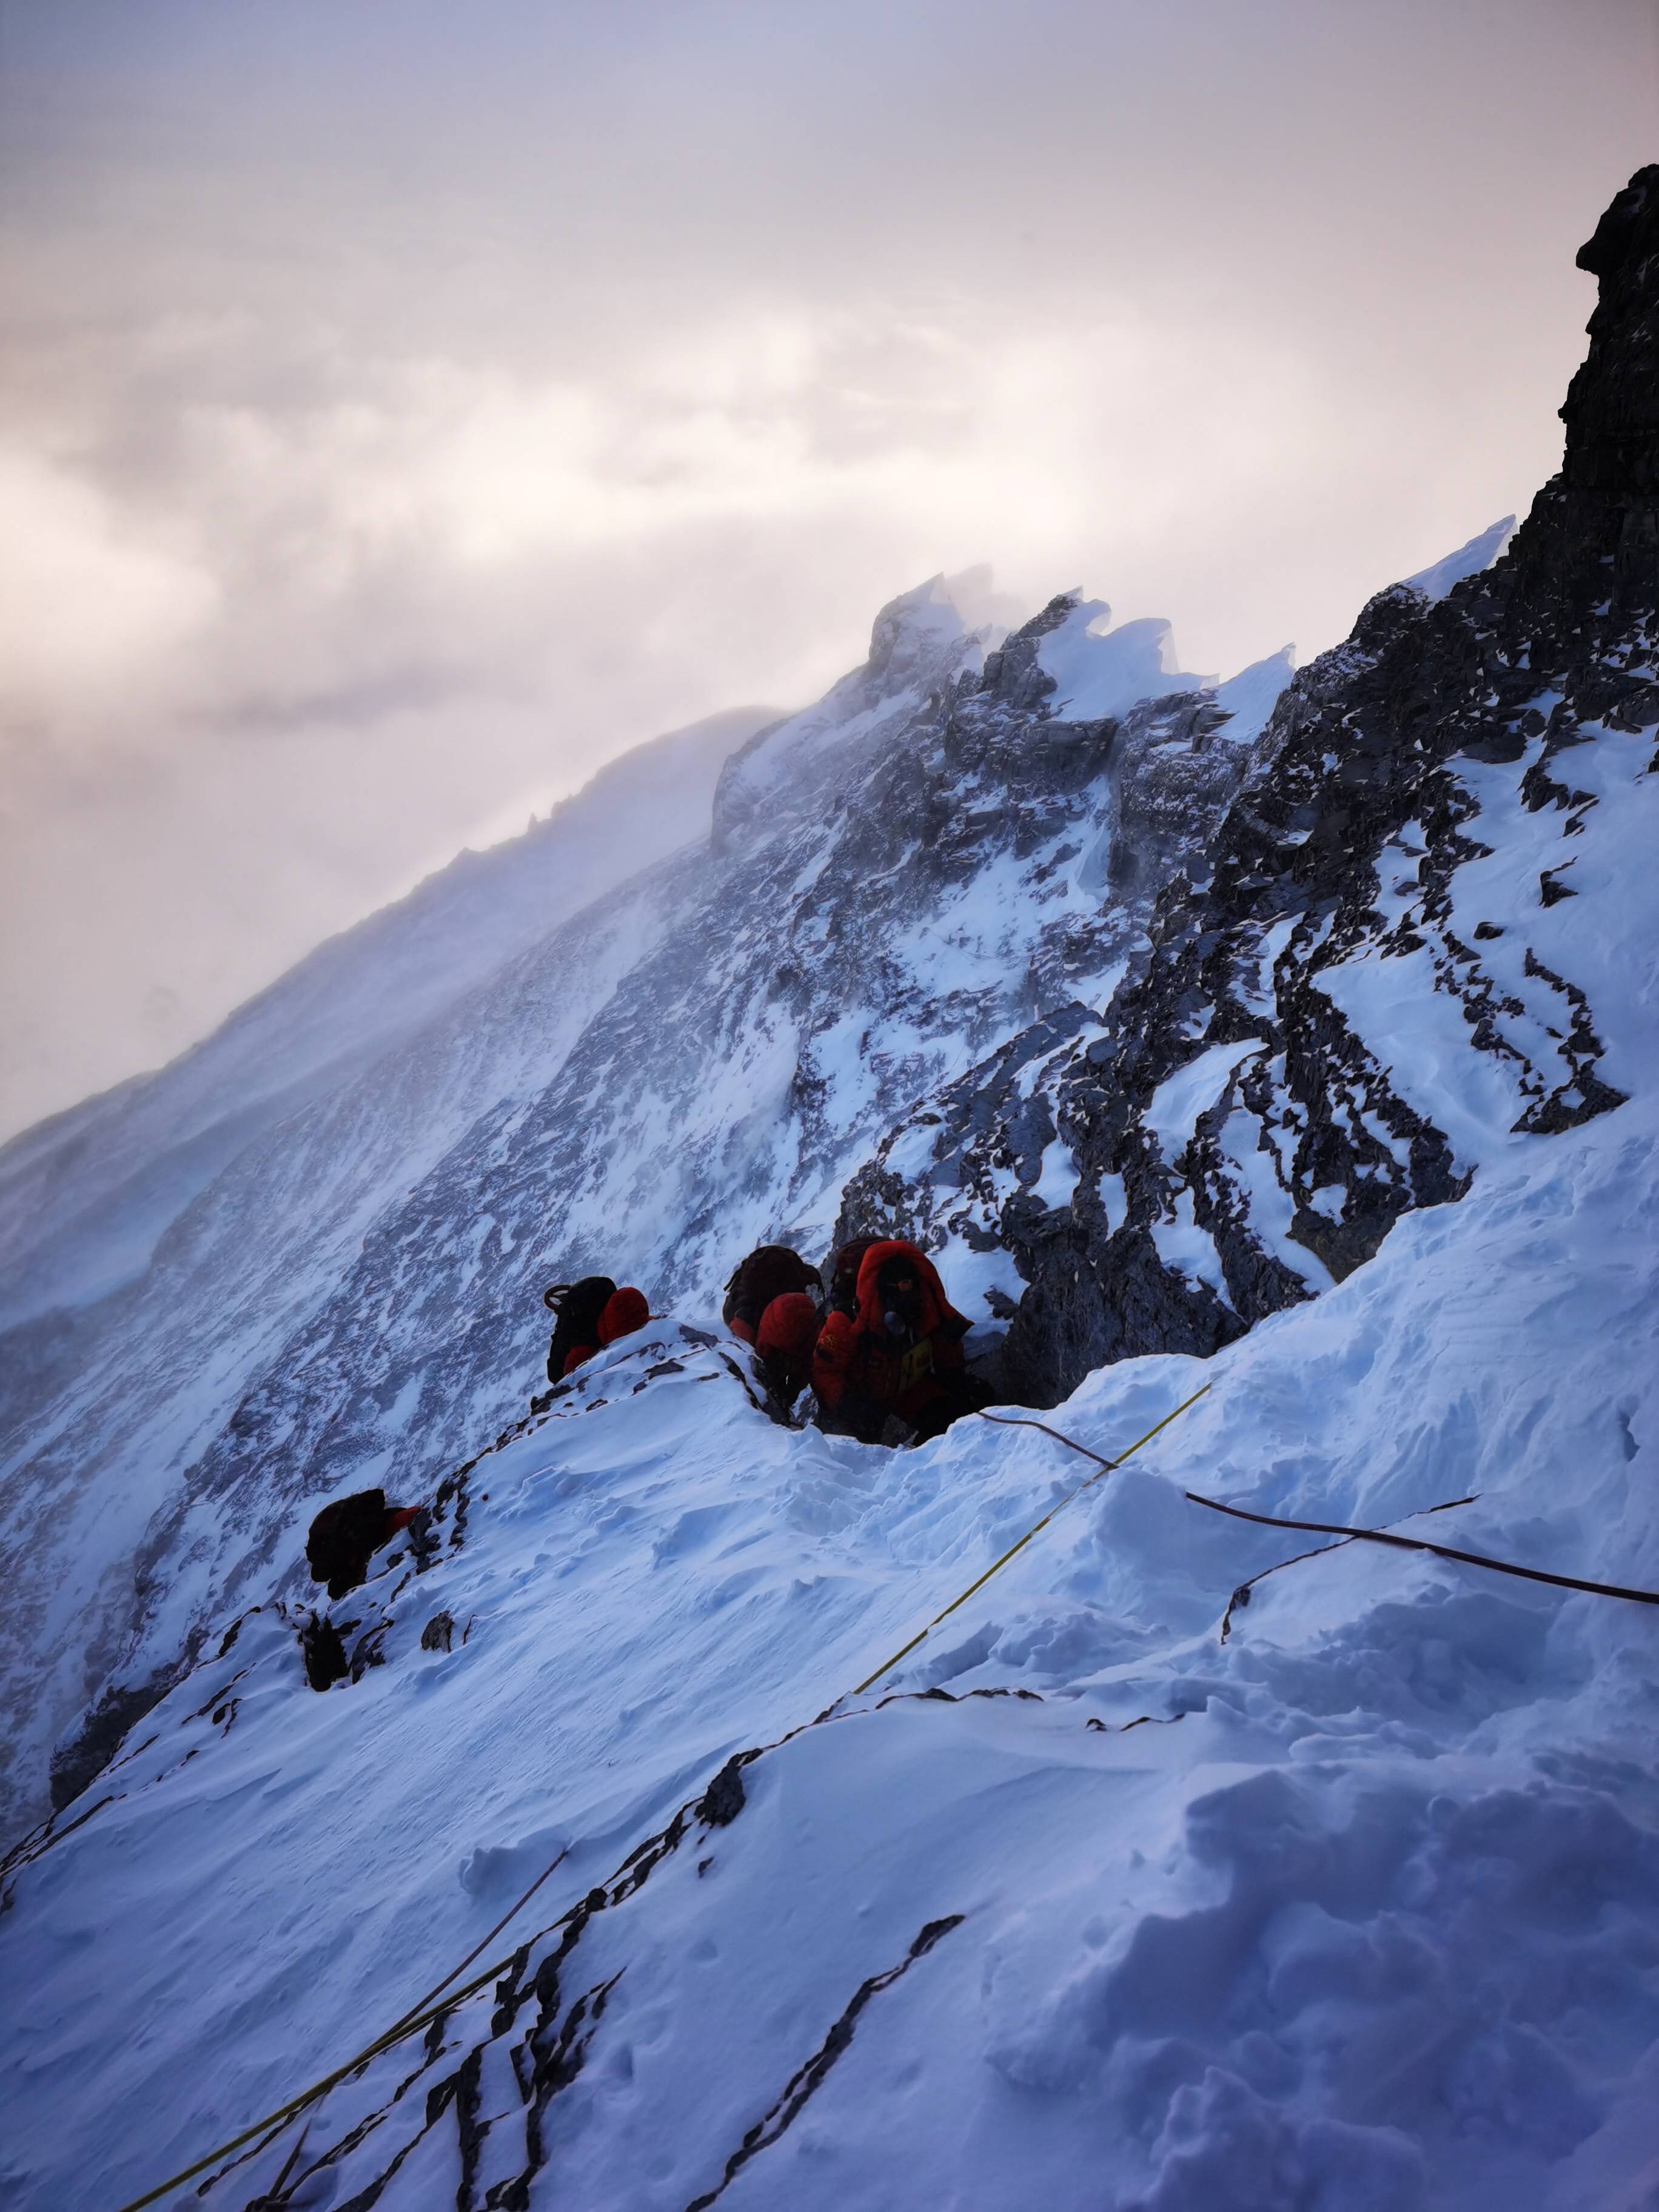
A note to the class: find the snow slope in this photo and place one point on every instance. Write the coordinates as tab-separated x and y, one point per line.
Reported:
1376	1925
1300	1037
347	1275
180	1231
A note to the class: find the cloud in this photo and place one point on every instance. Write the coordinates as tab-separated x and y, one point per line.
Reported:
401	416
88	606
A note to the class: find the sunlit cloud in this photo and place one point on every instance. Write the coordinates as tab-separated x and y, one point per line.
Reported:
90	603
390	433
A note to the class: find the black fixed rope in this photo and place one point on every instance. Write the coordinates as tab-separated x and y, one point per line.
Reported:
1420	1544
1020	1421
1241	1596
1352	1535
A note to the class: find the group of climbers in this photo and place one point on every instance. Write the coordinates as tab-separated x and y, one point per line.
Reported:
346	1534
884	1345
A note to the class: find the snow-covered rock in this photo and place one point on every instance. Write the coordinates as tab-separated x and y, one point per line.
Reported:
1298	1035
1359	1908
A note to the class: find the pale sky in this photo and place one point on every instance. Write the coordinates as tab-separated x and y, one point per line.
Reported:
404	408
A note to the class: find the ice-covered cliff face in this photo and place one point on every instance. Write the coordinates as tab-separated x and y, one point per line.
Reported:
1159	1009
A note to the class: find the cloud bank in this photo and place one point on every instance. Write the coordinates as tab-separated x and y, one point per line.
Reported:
402	413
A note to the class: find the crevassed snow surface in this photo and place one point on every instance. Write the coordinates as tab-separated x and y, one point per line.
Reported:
1358	1909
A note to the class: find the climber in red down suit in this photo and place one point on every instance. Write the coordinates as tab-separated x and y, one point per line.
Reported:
899	1351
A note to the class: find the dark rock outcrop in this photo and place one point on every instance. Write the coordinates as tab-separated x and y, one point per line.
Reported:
1358	774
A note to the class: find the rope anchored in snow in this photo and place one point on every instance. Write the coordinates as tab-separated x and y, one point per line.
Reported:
1421	1543
1104	1467
1241	1596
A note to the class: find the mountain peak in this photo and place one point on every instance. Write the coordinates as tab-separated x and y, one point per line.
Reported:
1604	505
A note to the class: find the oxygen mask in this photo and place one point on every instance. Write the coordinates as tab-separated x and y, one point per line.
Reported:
900	1305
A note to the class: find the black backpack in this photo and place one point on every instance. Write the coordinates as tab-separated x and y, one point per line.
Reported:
577	1308
343	1539
771	1270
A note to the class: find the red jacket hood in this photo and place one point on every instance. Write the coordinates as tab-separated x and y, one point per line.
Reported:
625	1311
790	1325
935	1306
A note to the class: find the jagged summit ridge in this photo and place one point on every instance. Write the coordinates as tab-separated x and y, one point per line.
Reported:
1347	909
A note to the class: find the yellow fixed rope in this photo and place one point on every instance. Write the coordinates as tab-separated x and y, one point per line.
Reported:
427	2011
278	2120
1105	1467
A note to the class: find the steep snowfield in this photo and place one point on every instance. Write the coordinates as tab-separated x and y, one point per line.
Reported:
1375	1925
1298	1035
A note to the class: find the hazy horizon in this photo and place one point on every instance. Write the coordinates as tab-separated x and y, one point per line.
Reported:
401	418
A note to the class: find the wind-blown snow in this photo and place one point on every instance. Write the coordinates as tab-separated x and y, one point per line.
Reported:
85	1197
922	641
1468	561
1099	670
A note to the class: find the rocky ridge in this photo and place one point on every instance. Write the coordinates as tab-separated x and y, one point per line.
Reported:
1340	848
